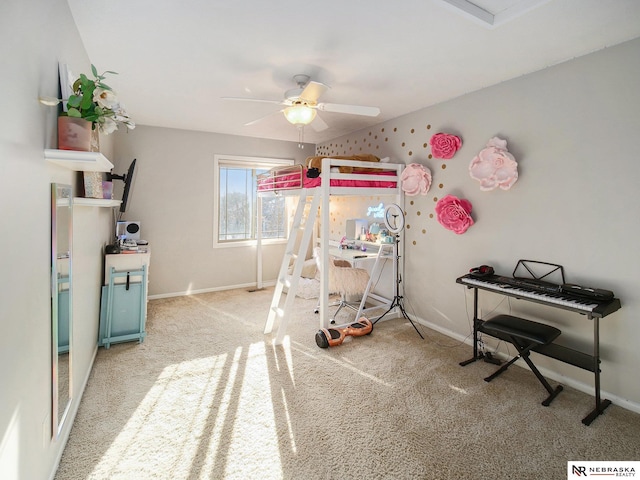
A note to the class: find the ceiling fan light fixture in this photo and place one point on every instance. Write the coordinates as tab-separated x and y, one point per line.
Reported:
300	114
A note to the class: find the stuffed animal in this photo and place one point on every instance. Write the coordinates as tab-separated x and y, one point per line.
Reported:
314	164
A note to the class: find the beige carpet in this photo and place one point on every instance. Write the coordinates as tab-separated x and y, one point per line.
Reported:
207	396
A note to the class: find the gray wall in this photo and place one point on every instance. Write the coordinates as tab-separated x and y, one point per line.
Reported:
573	129
34	37
172	197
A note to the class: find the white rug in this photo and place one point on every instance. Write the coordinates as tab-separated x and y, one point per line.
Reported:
308	288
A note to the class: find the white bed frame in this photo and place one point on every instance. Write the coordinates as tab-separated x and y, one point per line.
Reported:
303	227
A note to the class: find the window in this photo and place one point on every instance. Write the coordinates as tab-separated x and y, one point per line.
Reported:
236	200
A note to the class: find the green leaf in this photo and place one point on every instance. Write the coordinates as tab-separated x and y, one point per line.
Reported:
104	87
74	112
73	101
87	101
94	70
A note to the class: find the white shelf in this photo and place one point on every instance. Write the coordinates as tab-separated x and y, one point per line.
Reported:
95	202
79	161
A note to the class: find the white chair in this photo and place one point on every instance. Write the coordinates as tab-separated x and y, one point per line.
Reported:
343	279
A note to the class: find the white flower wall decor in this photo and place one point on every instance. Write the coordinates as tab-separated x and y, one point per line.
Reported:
494	166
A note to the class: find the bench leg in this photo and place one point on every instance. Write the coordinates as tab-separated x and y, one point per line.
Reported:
523	352
502	369
552	393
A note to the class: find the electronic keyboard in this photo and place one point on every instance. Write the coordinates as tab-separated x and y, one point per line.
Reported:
597	303
592	302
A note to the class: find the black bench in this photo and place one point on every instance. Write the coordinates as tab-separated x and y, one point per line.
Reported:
525	335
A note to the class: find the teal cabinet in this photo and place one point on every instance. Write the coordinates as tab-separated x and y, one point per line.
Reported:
123	308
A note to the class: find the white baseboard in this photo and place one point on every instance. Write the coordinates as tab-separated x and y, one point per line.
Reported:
208	290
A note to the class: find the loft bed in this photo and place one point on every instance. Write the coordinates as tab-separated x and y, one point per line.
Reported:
363	179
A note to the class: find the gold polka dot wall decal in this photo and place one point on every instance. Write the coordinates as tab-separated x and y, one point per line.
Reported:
403	144
410	153
435	199
424	145
411	202
428	127
441	185
395	129
424	230
386	139
413	130
418	213
430	156
443	166
414	242
431	215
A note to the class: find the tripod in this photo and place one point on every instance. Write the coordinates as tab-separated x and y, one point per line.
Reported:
397	299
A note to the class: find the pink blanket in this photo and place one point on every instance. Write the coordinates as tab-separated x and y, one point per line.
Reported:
300	180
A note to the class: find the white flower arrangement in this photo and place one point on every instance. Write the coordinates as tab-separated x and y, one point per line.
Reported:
97	103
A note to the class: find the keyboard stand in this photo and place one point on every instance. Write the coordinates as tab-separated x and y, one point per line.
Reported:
552	350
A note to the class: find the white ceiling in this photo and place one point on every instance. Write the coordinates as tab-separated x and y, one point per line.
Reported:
177	59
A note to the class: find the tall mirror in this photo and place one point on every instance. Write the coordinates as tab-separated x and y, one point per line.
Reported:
61	312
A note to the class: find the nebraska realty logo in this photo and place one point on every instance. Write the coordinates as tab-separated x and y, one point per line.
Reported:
602	469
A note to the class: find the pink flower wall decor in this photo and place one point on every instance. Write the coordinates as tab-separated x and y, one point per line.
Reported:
494	166
454	213
415	179
444	145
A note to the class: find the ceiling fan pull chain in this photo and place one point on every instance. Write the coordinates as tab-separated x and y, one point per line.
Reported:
301	136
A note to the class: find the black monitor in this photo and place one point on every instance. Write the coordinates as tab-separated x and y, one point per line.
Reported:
127	178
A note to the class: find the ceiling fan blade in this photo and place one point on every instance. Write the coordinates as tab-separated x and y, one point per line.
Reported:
351	109
319	124
312	91
257	120
243	99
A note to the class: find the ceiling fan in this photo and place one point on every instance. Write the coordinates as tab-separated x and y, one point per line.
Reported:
301	104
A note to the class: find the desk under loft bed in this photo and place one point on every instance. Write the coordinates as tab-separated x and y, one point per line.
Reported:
367	179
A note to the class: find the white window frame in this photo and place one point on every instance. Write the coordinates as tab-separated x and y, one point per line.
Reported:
244	162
